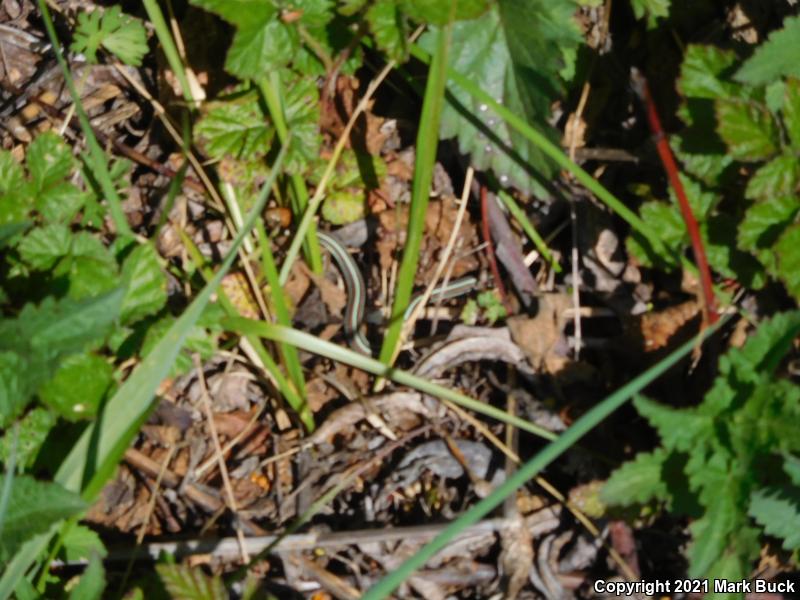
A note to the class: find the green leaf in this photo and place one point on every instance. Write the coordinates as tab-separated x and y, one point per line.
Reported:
791	111
438	12
92	582
15	195
117	32
764	222
43	246
145	284
49	160
777	510
774	58
81	543
15	389
388	26
340	208
638	481
78	387
711	533
779	177
32	431
60	203
236	128
704	72
301	105
747	128
90	267
654	9
672	232
787	251
679	429
185	583
32	508
724	256
515	52
791	466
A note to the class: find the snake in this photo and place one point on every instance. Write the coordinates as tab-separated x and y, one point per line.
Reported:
357	293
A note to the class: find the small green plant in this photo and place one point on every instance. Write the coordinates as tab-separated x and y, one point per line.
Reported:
740	157
725	462
118	33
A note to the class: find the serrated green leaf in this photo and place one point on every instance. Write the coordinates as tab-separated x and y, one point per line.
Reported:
81	543
32	508
90	267
237	128
60	203
185	583
747	128
672	231
724	256
32	432
701	200
787	251
707	164
711	533
638	481
15	196
764	222
117	32
654	9
439	12
43	246
679	429
388	26
704	72
764	349
301	105
49	160
774	58
145	284
78	386
92	582
790	110
260	47
779	177
777	510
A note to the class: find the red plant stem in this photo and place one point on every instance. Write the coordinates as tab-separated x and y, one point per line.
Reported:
487	237
671	168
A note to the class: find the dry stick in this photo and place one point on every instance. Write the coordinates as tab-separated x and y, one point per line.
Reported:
223	468
642	90
451	242
487	237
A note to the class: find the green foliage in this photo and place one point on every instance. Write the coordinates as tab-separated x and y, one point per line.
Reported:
728	447
32	508
739	151
115	31
92	582
653	9
187	583
519	52
357	173
774	58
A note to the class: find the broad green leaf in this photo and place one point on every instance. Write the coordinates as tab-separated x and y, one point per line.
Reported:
81	543
145	284
791	111
654	9
301	105
117	32
776	57
764	222
78	386
16	198
747	128
187	583
236	127
239	12
92	582
515	52
704	72
49	160
90	267
388	26
779	177
777	510
439	12
787	251
637	481
9	232
15	389
43	246
60	203
679	429
32	432
33	507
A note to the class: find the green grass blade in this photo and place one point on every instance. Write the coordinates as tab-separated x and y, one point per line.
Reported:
270	93
427	143
519	214
96	154
308	342
164	36
530	469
